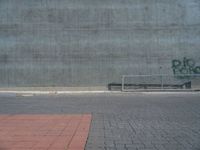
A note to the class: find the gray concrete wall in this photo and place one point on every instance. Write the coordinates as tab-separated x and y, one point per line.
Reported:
94	42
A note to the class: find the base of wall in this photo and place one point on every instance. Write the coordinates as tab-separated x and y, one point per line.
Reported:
97	88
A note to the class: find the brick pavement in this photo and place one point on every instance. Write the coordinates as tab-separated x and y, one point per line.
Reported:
123	121
44	132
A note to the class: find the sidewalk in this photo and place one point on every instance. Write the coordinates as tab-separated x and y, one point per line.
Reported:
127	121
44	132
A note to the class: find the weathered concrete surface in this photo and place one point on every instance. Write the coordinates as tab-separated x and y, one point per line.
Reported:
92	42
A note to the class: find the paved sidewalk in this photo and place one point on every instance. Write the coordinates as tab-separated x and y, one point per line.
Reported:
149	121
44	132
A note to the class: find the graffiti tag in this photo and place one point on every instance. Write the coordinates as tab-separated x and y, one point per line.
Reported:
185	67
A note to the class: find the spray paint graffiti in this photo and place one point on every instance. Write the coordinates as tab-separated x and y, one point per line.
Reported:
186	66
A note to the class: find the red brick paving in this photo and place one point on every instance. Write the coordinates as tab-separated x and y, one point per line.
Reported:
44	132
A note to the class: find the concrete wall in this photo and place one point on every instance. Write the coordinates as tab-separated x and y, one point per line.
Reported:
94	42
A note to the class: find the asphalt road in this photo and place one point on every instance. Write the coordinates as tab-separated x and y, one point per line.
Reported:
123	121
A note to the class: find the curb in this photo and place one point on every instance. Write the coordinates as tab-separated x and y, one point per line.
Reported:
31	93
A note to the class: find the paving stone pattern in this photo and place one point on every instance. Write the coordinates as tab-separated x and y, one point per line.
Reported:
44	132
123	121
